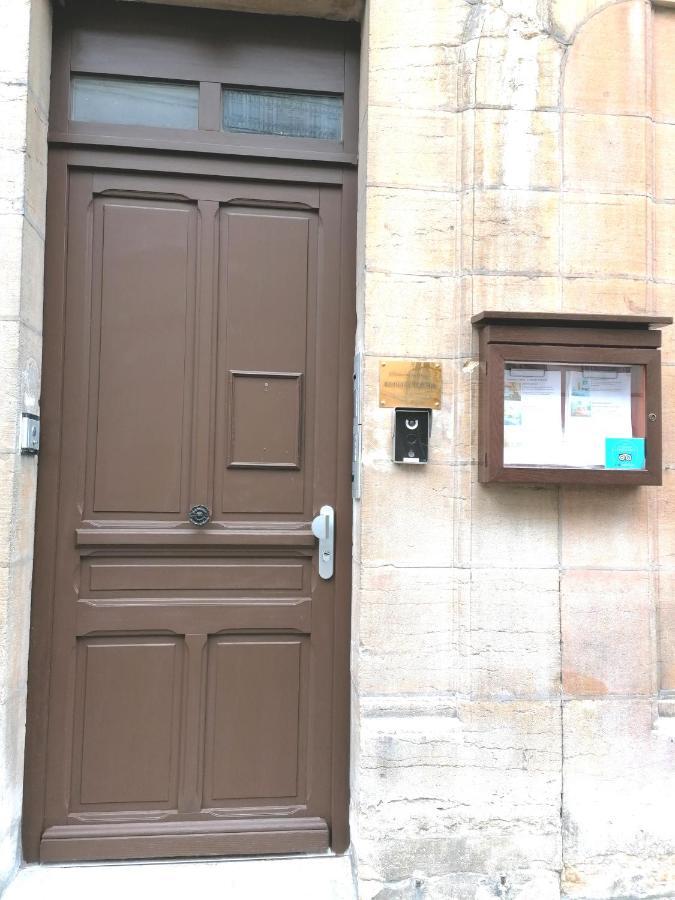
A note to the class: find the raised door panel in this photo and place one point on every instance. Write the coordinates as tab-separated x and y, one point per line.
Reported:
141	355
255	725
266	307
127	722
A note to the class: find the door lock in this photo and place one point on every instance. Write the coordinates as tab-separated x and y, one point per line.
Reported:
200	515
323	528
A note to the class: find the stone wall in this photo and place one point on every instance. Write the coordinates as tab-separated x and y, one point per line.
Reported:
24	103
513	646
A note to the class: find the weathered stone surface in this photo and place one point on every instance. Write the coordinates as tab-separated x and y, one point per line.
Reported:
412	231
410	629
604	235
605	153
607	640
515	231
619	777
514	527
423	78
622	296
516	149
613	43
664	154
619	511
664	246
514	633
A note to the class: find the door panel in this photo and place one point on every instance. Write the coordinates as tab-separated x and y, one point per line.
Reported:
144	280
191	698
267	275
256	702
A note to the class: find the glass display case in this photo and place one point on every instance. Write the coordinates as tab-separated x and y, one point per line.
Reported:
570	399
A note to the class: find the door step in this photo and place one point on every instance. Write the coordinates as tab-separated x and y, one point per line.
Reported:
297	878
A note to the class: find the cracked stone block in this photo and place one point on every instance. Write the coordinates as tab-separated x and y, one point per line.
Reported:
619	778
515	231
425	78
411	231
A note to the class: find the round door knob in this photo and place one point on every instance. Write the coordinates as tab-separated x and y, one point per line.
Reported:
200	515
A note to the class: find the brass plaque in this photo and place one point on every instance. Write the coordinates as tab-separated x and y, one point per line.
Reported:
410	382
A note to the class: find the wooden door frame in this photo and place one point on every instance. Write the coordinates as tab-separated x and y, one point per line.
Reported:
61	161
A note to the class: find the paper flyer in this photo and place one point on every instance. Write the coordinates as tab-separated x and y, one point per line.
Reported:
532	416
597	407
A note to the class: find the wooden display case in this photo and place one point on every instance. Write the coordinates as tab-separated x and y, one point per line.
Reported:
570	399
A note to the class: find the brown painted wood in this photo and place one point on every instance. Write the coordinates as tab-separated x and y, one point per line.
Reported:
491	415
606	320
189	686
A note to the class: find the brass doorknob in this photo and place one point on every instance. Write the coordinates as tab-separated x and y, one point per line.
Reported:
200	515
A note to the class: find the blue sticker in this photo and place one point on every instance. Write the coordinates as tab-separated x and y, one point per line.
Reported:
624	453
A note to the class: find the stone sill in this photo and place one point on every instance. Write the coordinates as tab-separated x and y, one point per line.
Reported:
292	878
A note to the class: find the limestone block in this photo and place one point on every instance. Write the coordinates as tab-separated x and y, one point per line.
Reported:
515	633
612	42
7	470
519	293
596	522
398	23
619	777
664	304
607	645
515	231
11	232
39	62
408	148
623	296
414	515
13	102
664	245
424	78
521	71
517	148
10	380
410	231
604	234
664	65
32	278
665	521
12	170
569	15
412	315
36	165
605	153
521	884
514	527
475	793
15	632
665	626
668	413
14	42
410	630
664	154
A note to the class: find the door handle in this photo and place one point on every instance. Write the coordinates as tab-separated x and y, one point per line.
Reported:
323	528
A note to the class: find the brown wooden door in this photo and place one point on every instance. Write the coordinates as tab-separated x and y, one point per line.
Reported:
196	699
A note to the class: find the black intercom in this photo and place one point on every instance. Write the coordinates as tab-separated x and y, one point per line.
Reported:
412	429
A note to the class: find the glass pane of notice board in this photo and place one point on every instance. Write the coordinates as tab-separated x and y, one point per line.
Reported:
572	415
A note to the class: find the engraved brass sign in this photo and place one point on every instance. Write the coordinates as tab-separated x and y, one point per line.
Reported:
410	382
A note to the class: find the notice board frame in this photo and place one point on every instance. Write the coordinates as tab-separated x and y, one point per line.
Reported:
559	338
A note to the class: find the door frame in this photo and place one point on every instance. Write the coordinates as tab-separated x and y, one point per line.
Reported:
62	159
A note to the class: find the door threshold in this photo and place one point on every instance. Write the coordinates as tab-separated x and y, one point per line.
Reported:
316	877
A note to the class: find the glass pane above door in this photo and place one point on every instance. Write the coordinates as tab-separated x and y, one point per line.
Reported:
134	101
283	113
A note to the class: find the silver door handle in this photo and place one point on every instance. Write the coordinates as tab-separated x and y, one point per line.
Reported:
323	528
